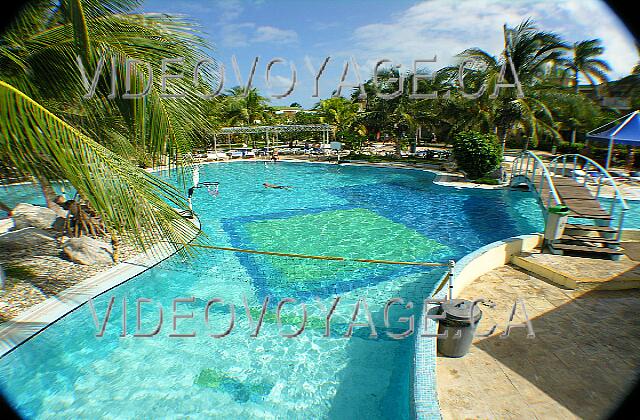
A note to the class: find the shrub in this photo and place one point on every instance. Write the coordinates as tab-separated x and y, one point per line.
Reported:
476	154
567	148
487	181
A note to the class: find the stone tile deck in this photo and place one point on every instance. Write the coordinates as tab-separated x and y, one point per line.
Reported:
585	273
583	360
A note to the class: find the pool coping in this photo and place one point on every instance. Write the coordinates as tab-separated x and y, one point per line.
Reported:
22	328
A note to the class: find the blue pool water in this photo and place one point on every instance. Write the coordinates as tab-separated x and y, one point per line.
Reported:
356	212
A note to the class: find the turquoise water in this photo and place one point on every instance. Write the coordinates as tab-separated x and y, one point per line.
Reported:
29	193
357	212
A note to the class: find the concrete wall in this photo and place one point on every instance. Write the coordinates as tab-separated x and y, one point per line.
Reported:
489	257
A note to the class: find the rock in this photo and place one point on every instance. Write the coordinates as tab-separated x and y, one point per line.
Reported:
449	167
27	215
86	250
6	225
26	239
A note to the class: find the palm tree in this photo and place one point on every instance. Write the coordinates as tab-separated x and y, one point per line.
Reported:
48	132
583	61
245	108
240	107
532	51
340	112
572	111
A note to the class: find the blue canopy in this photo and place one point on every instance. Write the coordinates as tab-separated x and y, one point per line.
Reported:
625	130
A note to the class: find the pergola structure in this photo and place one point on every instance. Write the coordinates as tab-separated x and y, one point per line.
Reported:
274	130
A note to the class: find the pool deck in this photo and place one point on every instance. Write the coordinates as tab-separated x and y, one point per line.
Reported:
583	359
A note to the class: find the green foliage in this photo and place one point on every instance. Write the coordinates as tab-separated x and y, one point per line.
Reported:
49	132
476	154
568	148
342	113
487	181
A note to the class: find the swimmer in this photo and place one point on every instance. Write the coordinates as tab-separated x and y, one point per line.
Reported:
277	187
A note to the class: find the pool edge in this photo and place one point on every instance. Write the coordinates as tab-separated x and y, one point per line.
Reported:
486	258
36	319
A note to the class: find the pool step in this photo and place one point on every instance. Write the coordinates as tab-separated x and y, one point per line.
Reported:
561	248
598	216
590	228
591	239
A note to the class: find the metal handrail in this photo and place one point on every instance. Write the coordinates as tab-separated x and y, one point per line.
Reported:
517	169
618	195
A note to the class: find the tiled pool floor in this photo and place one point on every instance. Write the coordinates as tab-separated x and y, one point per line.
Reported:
583	359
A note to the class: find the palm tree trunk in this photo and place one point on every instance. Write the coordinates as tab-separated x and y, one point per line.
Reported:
573	135
631	158
115	244
575	81
48	192
50	197
505	134
5	207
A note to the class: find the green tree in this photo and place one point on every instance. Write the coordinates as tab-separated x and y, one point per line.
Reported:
532	52
247	108
477	154
48	132
341	113
584	61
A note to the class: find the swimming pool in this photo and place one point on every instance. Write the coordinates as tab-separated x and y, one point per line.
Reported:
349	211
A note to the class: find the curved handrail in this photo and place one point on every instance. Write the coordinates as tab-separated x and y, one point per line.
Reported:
602	170
617	197
517	169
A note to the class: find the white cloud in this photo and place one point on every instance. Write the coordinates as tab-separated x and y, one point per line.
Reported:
243	34
229	10
236	34
445	28
273	34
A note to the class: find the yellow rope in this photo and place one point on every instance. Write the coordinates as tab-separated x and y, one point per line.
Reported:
442	283
319	257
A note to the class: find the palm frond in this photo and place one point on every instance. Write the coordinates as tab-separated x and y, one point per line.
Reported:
130	201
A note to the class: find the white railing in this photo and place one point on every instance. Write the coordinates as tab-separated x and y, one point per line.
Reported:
527	164
572	163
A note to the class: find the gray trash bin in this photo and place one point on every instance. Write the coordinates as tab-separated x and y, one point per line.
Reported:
457	319
557	217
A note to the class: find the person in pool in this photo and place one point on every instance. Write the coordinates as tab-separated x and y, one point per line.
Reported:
275	186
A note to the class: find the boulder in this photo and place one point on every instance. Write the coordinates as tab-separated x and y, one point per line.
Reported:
27	215
6	225
26	239
86	250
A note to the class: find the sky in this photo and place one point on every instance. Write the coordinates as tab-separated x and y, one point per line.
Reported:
362	32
